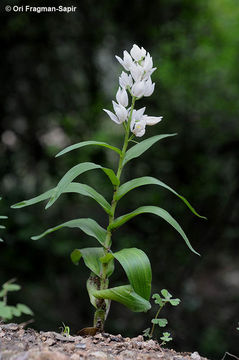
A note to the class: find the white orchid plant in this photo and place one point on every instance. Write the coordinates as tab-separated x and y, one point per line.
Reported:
100	260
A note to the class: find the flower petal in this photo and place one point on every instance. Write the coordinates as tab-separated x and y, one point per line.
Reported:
112	116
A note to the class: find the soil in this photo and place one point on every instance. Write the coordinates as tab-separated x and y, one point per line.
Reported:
17	343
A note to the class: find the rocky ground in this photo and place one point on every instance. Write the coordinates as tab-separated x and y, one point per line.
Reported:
17	343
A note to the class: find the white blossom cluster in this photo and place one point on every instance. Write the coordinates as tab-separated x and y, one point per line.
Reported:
138	83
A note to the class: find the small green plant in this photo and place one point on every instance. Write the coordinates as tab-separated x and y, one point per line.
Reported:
7	312
166	298
65	330
100	260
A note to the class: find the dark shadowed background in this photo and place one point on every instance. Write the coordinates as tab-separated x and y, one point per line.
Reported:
58	72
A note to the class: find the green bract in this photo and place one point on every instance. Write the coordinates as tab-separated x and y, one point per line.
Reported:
101	261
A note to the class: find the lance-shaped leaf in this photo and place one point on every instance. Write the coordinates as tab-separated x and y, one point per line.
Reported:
73	187
73	173
149	180
91	257
144	145
87	143
125	295
88	226
156	211
138	270
3	217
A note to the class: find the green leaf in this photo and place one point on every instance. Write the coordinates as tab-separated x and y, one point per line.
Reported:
146	333
93	284
138	270
1	240
15	311
144	145
156	211
89	226
148	180
175	302
106	258
24	309
3	217
166	294
11	287
73	173
5	311
91	257
71	188
159	322
86	143
166	337
2	227
157	299
125	295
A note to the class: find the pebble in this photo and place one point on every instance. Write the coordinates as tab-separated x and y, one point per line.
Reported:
80	346
75	357
67	338
195	356
98	355
50	342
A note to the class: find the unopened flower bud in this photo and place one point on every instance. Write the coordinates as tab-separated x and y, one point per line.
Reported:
122	97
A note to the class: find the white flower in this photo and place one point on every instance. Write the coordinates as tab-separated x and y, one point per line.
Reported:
138	123
138	89
120	111
147	63
125	80
112	116
137	72
152	120
126	62
122	97
149	87
139	128
137	53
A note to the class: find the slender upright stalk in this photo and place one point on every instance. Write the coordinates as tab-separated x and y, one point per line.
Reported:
156	316
100	313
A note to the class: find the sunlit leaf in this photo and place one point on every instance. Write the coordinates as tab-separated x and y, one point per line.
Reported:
148	180
138	270
144	145
88	226
126	296
156	211
86	143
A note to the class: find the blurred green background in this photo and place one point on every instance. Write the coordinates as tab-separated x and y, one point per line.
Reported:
58	72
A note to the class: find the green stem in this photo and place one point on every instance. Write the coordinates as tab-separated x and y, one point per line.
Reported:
118	175
100	313
156	316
